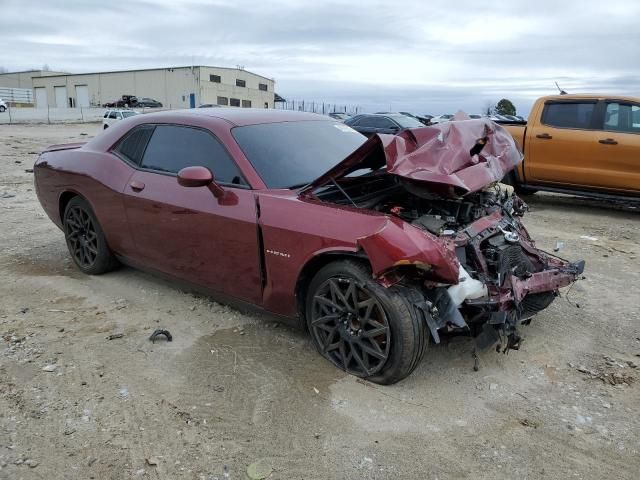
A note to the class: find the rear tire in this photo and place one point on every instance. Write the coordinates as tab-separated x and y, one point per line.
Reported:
85	239
361	327
2	109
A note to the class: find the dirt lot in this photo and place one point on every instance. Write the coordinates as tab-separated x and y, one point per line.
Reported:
233	389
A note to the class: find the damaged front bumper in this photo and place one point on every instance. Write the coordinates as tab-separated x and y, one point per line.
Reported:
497	294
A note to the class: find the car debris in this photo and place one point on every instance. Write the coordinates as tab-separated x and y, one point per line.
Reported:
113	336
159	332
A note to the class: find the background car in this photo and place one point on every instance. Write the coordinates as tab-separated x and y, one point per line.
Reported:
208	105
112	116
390	123
339	116
3	106
441	118
147	103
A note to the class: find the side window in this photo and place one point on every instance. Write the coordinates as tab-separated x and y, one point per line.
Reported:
106	114
112	114
173	148
383	122
364	122
622	117
568	114
132	146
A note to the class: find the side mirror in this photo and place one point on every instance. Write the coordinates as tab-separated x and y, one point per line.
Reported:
199	177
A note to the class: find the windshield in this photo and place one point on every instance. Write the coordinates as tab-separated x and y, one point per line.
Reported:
293	154
408	122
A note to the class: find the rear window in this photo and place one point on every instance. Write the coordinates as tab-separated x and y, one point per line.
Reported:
408	122
292	154
132	146
569	114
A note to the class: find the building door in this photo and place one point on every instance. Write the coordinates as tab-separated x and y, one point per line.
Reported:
61	96
41	97
82	96
192	100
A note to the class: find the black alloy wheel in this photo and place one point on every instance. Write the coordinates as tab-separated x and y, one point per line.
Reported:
351	326
85	238
362	327
82	236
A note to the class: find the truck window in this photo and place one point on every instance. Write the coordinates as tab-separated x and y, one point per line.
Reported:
568	114
622	117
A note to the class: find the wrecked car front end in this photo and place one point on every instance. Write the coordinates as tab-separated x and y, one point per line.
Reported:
453	235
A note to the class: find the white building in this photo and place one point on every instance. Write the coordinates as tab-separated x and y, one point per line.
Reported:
176	87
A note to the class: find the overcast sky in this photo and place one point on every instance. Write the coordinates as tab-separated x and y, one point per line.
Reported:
422	56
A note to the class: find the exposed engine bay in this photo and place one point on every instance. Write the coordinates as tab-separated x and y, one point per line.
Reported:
504	280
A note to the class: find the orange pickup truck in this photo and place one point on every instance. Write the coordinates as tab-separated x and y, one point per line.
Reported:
580	144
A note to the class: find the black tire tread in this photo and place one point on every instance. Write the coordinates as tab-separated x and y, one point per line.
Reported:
410	336
106	260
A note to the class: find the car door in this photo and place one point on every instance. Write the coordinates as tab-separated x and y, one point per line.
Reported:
619	146
562	147
365	125
187	232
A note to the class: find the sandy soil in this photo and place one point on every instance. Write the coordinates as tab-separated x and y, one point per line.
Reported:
233	389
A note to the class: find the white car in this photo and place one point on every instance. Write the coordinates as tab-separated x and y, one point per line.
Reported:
3	106
112	116
441	119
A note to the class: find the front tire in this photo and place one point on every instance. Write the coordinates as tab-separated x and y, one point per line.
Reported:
361	327
2	109
85	239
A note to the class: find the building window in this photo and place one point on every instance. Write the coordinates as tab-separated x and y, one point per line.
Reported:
223	101
266	104
214	78
240	83
234	102
246	103
262	86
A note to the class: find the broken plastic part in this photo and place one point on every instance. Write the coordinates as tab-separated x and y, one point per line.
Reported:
467	288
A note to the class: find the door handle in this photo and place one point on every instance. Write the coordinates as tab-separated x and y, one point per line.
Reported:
544	136
136	186
608	141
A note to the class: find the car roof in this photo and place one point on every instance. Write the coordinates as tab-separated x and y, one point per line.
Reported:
240	116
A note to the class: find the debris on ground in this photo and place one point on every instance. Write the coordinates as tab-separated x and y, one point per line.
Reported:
525	422
113	336
559	246
159	332
151	461
50	368
589	237
259	470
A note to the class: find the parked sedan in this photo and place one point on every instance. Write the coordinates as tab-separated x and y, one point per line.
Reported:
376	246
112	116
390	123
147	103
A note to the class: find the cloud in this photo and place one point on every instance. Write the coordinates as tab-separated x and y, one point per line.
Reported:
429	57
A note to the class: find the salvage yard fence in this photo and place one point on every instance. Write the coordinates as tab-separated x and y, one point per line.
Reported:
317	107
56	115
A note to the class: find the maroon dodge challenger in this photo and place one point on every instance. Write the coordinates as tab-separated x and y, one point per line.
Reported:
378	246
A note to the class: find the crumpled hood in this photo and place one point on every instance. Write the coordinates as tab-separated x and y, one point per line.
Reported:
455	158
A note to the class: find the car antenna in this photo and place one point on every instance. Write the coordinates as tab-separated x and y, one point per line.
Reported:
343	192
562	92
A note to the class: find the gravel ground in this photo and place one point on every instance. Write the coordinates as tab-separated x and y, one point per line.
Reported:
236	392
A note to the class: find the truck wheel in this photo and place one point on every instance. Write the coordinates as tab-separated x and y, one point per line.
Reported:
361	327
511	179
